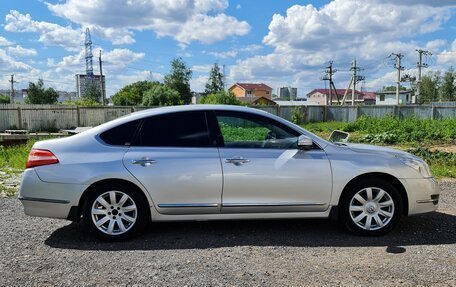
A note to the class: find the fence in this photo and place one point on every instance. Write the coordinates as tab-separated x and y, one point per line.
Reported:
49	117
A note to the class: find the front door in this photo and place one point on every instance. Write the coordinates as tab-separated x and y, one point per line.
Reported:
175	160
264	171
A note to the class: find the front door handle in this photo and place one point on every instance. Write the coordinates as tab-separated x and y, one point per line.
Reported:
237	160
143	161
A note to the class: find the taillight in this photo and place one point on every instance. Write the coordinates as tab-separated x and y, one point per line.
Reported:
38	157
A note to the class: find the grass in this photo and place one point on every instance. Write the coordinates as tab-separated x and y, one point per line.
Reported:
13	158
413	135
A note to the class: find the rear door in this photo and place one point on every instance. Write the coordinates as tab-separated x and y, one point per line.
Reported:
175	159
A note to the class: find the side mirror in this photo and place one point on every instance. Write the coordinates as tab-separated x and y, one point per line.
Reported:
304	142
339	136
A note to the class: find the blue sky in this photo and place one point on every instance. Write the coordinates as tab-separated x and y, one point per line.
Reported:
279	43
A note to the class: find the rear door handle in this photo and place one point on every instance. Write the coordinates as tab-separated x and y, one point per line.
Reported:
143	161
237	160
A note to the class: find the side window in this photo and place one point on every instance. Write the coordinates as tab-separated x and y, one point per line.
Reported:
120	135
241	130
182	129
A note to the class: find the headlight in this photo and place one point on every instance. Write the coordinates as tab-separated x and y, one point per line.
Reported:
417	164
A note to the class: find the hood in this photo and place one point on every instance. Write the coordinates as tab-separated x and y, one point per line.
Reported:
372	149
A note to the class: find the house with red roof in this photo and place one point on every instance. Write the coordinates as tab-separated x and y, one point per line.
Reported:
250	90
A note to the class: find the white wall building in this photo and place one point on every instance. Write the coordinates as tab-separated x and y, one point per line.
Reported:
389	98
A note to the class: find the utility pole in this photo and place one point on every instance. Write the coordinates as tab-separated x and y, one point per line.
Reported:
329	73
103	96
399	69
12	81
355	79
420	65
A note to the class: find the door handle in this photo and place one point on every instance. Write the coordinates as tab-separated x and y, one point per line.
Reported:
237	160
143	161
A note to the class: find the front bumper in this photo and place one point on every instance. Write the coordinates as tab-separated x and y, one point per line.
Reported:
423	195
45	199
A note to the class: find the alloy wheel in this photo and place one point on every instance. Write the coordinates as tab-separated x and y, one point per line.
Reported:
114	212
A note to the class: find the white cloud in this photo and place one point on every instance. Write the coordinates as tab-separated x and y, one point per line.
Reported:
184	20
50	34
21	51
447	56
4	42
224	55
306	38
198	84
10	65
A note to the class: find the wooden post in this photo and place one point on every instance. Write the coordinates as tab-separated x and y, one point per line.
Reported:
19	117
78	116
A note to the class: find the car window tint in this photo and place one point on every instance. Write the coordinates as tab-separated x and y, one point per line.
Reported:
120	135
184	129
249	131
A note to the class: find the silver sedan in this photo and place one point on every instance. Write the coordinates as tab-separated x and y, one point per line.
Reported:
213	162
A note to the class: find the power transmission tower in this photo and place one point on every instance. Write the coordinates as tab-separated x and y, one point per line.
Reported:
12	81
399	68
328	77
353	81
102	89
88	54
420	65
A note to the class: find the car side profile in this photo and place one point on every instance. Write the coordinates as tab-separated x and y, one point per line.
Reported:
218	162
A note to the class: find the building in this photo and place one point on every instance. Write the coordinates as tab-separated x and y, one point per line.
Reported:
255	100
67	96
386	98
287	93
82	82
241	90
18	95
321	96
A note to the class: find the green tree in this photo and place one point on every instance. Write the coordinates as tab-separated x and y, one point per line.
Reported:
161	95
392	88
92	93
448	88
132	94
221	97
429	88
37	94
215	82
4	99
179	79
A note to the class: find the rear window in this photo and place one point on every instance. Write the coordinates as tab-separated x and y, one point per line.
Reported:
183	129
120	135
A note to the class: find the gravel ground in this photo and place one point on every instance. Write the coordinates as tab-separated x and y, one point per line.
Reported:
46	252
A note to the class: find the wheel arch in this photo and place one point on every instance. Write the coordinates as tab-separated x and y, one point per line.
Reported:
76	211
383	176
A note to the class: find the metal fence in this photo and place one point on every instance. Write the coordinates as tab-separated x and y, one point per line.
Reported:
52	117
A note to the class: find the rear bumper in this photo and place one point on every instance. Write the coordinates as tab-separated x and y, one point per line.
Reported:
46	199
423	195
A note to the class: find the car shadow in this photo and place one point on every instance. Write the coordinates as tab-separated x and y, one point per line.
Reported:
430	229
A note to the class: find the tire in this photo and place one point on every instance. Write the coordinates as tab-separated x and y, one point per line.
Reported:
371	207
115	212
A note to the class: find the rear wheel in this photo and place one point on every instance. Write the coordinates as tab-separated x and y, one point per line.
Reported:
371	207
115	213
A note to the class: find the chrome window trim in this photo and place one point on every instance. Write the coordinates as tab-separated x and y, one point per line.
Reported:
180	205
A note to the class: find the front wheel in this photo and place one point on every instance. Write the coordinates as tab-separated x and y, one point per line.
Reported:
371	207
115	213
